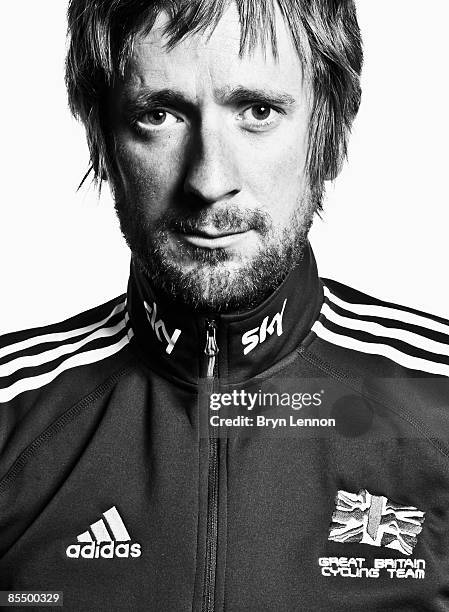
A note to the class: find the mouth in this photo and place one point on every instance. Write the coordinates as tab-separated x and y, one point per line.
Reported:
210	239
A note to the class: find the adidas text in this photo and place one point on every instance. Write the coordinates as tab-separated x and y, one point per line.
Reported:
105	550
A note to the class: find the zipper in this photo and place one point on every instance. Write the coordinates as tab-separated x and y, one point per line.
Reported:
211	352
211	349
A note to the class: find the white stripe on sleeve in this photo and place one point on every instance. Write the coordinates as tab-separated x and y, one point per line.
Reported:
388	312
35	382
413	363
65	349
376	329
59	336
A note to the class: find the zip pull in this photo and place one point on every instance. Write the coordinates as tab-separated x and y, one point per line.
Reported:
211	349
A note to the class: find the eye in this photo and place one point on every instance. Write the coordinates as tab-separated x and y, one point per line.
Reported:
157	118
260	116
261	112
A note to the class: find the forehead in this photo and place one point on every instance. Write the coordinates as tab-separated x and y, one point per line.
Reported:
212	59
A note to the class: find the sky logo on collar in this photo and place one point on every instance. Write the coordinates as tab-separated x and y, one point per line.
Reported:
258	335
160	330
370	519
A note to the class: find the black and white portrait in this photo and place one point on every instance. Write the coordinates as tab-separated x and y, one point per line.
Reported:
224	344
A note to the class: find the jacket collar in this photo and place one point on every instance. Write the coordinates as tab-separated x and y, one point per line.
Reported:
173	341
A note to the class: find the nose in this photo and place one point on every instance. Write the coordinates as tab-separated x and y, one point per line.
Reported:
213	173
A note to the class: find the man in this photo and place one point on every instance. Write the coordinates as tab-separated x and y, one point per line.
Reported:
145	461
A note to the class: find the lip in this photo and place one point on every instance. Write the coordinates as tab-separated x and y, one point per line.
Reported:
209	240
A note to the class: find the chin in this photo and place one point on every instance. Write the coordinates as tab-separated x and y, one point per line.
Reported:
217	272
221	286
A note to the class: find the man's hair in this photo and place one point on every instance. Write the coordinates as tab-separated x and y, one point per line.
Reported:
325	33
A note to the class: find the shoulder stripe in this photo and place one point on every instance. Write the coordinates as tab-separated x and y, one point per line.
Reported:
388	312
376	329
28	361
40	369
35	382
390	323
410	339
58	336
408	361
401	346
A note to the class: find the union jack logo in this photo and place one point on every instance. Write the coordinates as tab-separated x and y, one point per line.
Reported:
370	519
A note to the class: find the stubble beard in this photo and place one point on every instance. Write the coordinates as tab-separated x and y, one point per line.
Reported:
214	280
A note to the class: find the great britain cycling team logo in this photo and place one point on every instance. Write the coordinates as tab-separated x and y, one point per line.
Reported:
370	519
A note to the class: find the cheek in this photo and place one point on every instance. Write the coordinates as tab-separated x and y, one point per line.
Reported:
278	178
147	177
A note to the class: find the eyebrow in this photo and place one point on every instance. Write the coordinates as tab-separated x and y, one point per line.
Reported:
239	94
226	95
151	98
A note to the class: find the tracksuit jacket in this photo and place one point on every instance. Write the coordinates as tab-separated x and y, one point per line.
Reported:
294	457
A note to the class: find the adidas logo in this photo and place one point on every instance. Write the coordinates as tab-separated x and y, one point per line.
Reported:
106	539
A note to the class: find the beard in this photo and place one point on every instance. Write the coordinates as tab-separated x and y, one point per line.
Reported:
216	280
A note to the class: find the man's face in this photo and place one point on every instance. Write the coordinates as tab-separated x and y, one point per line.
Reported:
209	150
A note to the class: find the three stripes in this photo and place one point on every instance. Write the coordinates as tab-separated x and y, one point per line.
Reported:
71	348
412	340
